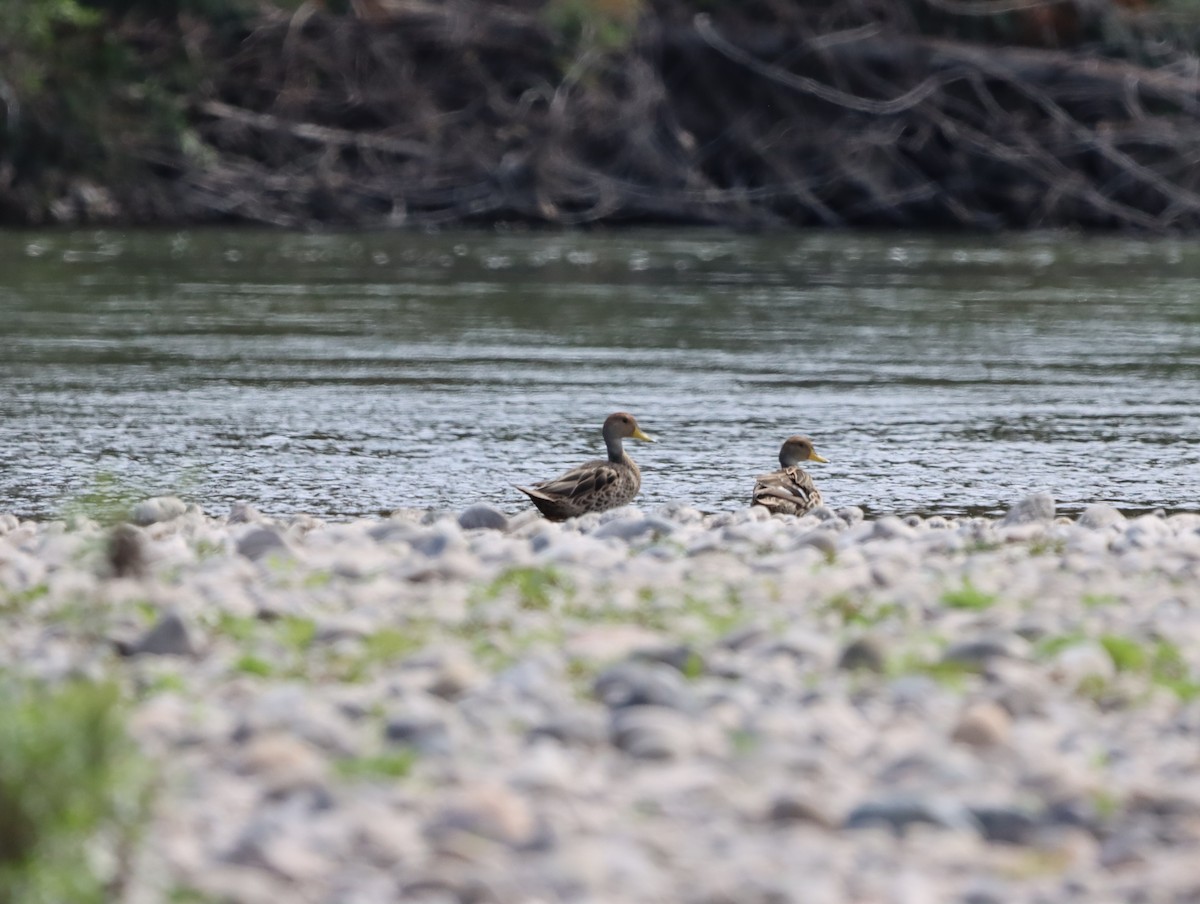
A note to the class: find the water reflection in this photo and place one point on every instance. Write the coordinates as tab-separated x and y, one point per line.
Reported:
348	374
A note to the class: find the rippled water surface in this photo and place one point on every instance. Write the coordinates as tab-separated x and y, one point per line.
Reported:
345	375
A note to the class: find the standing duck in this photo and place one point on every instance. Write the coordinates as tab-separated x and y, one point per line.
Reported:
597	485
789	491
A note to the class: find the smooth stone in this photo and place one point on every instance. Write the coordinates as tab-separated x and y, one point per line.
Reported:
807	647
863	653
1010	825
652	732
482	516
1100	514
788	808
983	724
890	527
643	683
259	542
242	512
424	732
434	543
284	763
822	540
576	727
160	508
8	523
851	514
632	528
1082	661
980	650
170	636
901	811
489	811
449	672
606	643
681	657
1035	508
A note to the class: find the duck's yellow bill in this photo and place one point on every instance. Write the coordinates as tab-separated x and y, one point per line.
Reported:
813	456
638	434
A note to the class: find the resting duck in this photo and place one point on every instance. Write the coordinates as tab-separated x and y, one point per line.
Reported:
597	485
789	491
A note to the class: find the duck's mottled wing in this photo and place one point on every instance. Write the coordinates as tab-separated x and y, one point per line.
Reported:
788	490
593	478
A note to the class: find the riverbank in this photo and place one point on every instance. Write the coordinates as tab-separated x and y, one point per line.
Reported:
637	706
404	114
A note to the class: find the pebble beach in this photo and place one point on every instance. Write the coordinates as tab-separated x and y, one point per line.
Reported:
649	705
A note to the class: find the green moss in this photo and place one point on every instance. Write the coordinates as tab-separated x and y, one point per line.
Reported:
237	627
316	579
393	765
1048	647
17	600
168	682
254	665
535	587
968	596
1168	669
1127	655
693	666
1041	546
862	611
296	632
950	673
1096	600
108	501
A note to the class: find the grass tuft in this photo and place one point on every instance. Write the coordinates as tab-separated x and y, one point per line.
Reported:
968	596
70	778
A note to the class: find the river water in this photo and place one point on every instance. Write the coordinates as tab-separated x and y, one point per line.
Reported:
351	374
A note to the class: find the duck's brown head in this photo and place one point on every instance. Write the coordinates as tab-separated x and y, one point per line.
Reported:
797	449
618	426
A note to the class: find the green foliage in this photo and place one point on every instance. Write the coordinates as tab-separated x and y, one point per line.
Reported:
297	632
69	777
605	24
951	673
861	611
385	765
16	600
108	501
968	596
1127	655
1168	670
254	665
534	586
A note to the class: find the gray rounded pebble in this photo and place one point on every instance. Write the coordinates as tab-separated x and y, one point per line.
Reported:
901	811
426	734
260	542
482	516
863	653
158	509
1100	514
643	683
170	636
1010	825
1032	509
652	732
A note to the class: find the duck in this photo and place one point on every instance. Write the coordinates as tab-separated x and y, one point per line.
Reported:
594	486
790	490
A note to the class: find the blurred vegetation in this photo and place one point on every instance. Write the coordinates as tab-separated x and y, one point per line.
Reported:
169	110
72	793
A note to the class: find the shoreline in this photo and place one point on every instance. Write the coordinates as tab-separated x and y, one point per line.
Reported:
640	705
